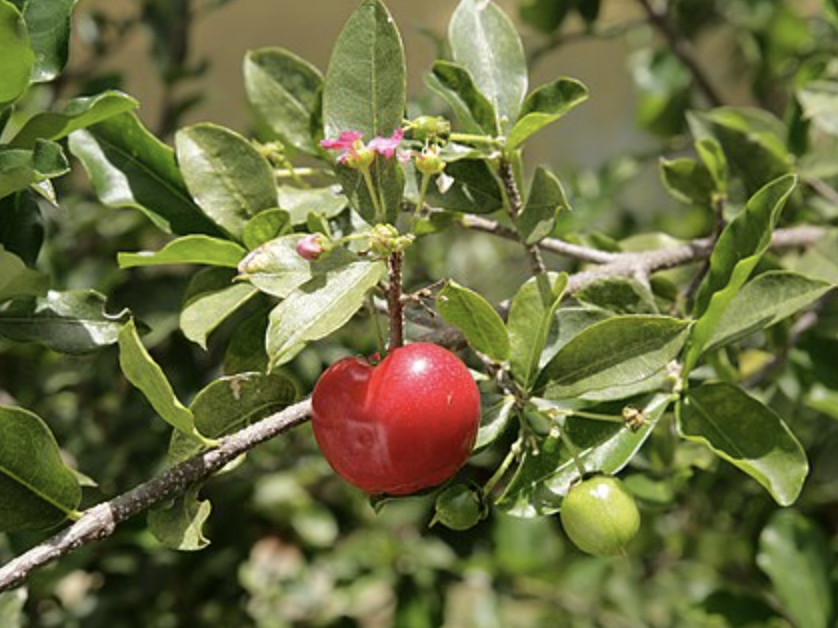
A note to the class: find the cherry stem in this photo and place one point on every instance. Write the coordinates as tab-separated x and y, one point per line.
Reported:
395	306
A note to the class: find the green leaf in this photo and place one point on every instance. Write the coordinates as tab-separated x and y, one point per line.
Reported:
285	91
546	199
179	524
712	156
78	113
246	347
544	106
265	226
531	316
752	140
767	299
545	475
475	189
480	323
194	249
300	202
568	323
688	180
146	375
73	322
621	295
484	41
22	226
21	168
37	490
796	556
738	250
497	412
545	15
277	269
364	90
819	100
16	280
365	84
227	176
612	356
49	27
454	84
746	433
229	404
129	167
319	307
210	298
17	59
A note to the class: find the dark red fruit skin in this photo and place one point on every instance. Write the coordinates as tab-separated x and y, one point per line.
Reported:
400	426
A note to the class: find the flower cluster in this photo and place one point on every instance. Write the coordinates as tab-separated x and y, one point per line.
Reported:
356	154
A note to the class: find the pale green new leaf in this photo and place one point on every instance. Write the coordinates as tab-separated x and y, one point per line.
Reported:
319	307
746	433
192	249
17	59
211	298
544	106
179	524
50	26
16	280
37	490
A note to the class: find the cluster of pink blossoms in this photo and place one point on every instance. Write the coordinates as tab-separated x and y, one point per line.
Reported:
356	154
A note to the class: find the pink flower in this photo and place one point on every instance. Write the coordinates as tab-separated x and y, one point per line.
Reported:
358	155
386	146
310	247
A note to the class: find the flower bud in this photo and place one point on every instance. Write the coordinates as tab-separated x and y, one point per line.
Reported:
310	247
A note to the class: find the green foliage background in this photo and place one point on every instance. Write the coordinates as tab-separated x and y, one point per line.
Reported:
290	544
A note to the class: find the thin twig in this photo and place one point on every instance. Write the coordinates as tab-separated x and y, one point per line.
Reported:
395	306
100	521
514	205
683	50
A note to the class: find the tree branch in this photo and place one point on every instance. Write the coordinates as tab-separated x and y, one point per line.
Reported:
101	520
514	205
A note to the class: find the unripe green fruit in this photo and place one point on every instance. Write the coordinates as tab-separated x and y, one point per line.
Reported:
459	507
600	517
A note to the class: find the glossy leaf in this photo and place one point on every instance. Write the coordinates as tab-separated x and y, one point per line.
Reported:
480	323
364	90
230	403
73	322
195	249
545	200
78	113
454	84
179	523
484	41
285	91
129	167
17	59
795	554
16	280
615	355
531	316
767	299
316	309
210	298
688	180
545	475
544	106
567	323
300	202
21	168
265	226
37	490
497	413
146	375
712	156
752	140
49	27
737	251
277	269
475	189
226	175
746	433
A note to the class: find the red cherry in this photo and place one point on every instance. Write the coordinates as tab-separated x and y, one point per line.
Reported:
402	425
